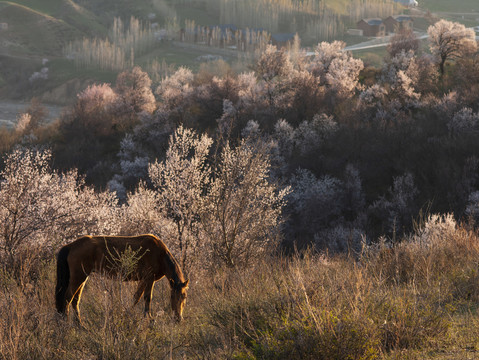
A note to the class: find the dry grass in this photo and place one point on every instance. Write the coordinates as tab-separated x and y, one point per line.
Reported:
413	301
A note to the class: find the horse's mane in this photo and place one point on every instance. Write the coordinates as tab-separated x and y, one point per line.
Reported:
176	273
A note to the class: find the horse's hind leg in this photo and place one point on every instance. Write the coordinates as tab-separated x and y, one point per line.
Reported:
139	292
76	301
73	294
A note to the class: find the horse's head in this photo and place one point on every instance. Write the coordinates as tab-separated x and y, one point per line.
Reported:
178	297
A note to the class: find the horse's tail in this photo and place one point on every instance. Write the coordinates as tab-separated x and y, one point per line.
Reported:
63	278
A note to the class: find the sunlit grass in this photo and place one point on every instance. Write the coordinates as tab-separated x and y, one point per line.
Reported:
410	302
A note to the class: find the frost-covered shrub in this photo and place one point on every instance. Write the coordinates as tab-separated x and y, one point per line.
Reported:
463	121
180	181
242	214
314	204
39	75
41	208
340	239
472	208
174	89
394	213
336	68
134	91
437	228
310	134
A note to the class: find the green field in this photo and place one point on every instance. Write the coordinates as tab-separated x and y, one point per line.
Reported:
458	6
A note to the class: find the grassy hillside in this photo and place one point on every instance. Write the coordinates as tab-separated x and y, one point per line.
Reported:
42	28
33	33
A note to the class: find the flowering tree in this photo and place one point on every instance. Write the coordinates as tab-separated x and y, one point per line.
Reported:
98	97
39	207
134	89
32	117
273	63
181	180
450	40
337	68
175	89
401	73
140	213
93	110
243	211
403	40
28	194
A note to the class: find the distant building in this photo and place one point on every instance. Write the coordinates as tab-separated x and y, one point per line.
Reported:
409	3
372	27
397	22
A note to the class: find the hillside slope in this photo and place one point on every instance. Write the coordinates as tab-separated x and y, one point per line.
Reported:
43	29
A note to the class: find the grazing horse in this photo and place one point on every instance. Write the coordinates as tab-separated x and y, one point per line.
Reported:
103	254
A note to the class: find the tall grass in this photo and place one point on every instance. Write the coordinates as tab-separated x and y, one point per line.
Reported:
415	300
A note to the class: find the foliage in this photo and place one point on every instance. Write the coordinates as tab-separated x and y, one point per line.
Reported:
243	211
403	40
450	40
362	149
40	207
181	181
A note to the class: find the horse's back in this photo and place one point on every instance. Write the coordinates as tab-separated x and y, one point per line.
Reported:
105	242
100	253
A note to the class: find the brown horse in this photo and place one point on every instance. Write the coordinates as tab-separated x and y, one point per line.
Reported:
103	254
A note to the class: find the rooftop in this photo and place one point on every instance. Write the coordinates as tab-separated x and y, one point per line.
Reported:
374	21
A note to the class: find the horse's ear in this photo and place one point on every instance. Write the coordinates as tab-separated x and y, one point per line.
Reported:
172	283
185	284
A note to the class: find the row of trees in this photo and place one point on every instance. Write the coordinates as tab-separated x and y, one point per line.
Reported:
247	40
116	52
349	153
301	16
